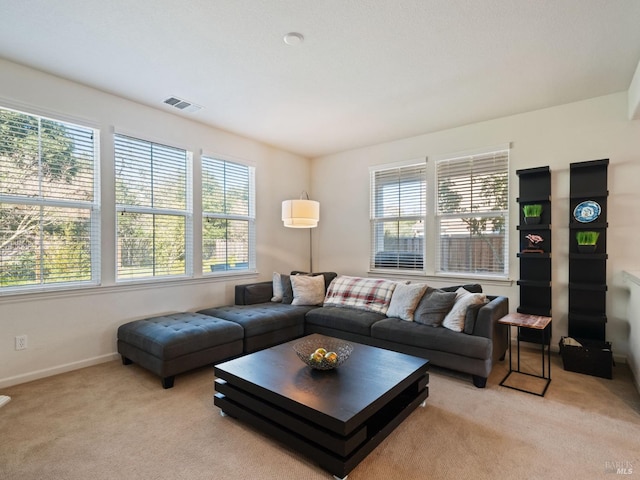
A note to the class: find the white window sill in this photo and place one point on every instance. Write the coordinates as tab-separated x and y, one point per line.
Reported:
131	285
454	279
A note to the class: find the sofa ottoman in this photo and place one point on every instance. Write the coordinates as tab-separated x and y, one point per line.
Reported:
171	344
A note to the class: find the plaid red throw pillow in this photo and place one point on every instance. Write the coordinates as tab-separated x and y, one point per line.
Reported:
371	294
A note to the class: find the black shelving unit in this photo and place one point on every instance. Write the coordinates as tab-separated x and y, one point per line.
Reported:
588	271
535	260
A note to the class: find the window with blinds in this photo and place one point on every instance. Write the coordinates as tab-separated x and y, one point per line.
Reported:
49	203
472	215
153	204
228	216
398	208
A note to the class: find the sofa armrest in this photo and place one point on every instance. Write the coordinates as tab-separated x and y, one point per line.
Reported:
487	325
488	316
251	293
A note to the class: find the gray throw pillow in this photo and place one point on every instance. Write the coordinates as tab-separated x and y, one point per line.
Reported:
433	307
287	289
470	318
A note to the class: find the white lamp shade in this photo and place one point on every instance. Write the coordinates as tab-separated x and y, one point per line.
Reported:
300	213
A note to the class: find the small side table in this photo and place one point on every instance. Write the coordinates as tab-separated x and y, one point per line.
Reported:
536	322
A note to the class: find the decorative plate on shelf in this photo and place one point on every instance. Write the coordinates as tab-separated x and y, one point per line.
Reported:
587	211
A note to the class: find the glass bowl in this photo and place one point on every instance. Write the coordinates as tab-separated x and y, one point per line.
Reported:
306	348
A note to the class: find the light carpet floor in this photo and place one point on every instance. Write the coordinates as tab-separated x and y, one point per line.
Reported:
115	422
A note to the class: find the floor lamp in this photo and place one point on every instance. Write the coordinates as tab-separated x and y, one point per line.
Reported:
302	213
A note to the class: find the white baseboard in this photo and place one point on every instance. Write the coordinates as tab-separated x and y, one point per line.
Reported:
48	372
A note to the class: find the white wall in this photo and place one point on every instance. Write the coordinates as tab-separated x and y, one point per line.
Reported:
70	330
587	130
634	95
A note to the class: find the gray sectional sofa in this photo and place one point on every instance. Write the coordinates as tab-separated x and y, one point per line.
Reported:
173	344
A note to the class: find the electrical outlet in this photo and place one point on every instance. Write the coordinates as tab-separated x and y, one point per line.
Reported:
21	342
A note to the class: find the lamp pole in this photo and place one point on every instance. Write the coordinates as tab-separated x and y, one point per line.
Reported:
311	250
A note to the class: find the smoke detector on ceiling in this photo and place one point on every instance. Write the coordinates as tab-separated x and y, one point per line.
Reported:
183	105
293	38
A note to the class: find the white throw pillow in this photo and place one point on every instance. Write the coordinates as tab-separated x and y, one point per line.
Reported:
277	288
405	299
455	318
307	290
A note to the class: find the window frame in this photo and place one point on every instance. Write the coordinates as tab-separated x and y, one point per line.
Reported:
498	152
92	207
186	213
377	220
250	217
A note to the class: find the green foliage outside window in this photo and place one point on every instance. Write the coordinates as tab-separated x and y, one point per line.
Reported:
44	161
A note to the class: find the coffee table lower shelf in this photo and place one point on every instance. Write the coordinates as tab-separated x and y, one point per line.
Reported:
334	453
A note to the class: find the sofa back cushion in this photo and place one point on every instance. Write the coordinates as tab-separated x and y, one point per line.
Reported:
469	287
252	293
369	294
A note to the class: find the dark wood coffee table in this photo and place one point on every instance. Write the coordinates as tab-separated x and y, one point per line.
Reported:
334	417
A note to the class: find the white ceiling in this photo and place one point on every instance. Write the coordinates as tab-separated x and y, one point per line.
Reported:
368	71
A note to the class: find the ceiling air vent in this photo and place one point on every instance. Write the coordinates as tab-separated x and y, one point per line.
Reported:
182	104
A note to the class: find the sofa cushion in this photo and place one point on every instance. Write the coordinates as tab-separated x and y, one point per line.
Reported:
370	294
345	319
438	339
434	306
405	299
454	320
260	318
307	290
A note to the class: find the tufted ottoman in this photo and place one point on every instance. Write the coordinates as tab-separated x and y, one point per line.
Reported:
172	344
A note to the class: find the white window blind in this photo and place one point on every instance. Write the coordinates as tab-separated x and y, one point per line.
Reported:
49	203
153	201
228	210
473	214
398	208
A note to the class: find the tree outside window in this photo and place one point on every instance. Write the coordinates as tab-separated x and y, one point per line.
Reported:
472	214
154	211
49	224
228	224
